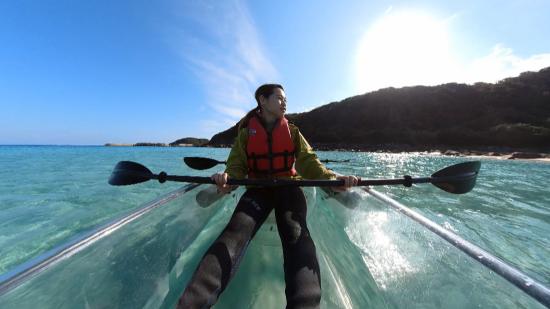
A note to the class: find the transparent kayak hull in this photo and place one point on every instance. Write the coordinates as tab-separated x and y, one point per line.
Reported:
125	268
370	257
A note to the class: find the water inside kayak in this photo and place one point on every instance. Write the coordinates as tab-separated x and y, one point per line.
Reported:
370	257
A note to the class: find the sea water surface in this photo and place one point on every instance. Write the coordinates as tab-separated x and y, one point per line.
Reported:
51	194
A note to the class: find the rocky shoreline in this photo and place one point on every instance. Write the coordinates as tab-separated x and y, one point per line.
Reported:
489	151
502	153
482	152
149	145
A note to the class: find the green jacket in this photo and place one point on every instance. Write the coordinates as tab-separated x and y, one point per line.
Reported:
307	164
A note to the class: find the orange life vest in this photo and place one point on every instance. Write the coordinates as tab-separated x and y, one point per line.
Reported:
270	155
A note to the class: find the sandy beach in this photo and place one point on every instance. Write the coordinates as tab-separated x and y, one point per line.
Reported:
507	157
544	157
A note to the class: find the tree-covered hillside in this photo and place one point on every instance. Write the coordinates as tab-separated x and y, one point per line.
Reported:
513	113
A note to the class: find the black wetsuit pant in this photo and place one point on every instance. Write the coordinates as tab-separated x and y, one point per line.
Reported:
219	264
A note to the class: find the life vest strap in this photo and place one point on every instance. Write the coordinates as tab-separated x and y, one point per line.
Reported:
285	154
268	173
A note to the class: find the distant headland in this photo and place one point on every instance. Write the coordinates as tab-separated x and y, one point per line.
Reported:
182	142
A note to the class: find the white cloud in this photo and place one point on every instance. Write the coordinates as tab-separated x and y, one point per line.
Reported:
208	126
502	63
226	54
234	113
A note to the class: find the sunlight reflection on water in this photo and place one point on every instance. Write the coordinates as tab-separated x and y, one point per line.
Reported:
369	232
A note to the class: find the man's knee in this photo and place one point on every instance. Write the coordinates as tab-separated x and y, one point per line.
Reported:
291	228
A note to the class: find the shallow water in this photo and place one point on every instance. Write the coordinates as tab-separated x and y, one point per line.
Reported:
50	194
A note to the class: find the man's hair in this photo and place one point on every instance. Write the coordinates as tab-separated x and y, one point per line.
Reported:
266	90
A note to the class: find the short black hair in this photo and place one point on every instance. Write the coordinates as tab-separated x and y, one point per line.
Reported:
266	90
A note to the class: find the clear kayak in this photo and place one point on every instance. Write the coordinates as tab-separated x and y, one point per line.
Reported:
370	257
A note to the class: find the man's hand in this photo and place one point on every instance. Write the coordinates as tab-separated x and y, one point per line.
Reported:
221	183
350	181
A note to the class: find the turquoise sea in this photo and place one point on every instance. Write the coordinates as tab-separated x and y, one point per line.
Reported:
51	194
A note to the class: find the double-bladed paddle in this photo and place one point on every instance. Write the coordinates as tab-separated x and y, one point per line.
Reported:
459	178
200	163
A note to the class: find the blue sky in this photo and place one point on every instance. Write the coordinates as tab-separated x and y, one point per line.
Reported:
92	72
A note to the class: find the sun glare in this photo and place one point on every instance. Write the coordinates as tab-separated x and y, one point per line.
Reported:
404	49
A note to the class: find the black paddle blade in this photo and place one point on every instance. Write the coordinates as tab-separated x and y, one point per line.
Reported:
129	173
200	163
459	178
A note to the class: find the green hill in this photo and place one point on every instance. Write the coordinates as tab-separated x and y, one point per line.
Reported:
513	113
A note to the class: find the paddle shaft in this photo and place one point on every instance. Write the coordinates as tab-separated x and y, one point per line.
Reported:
407	181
